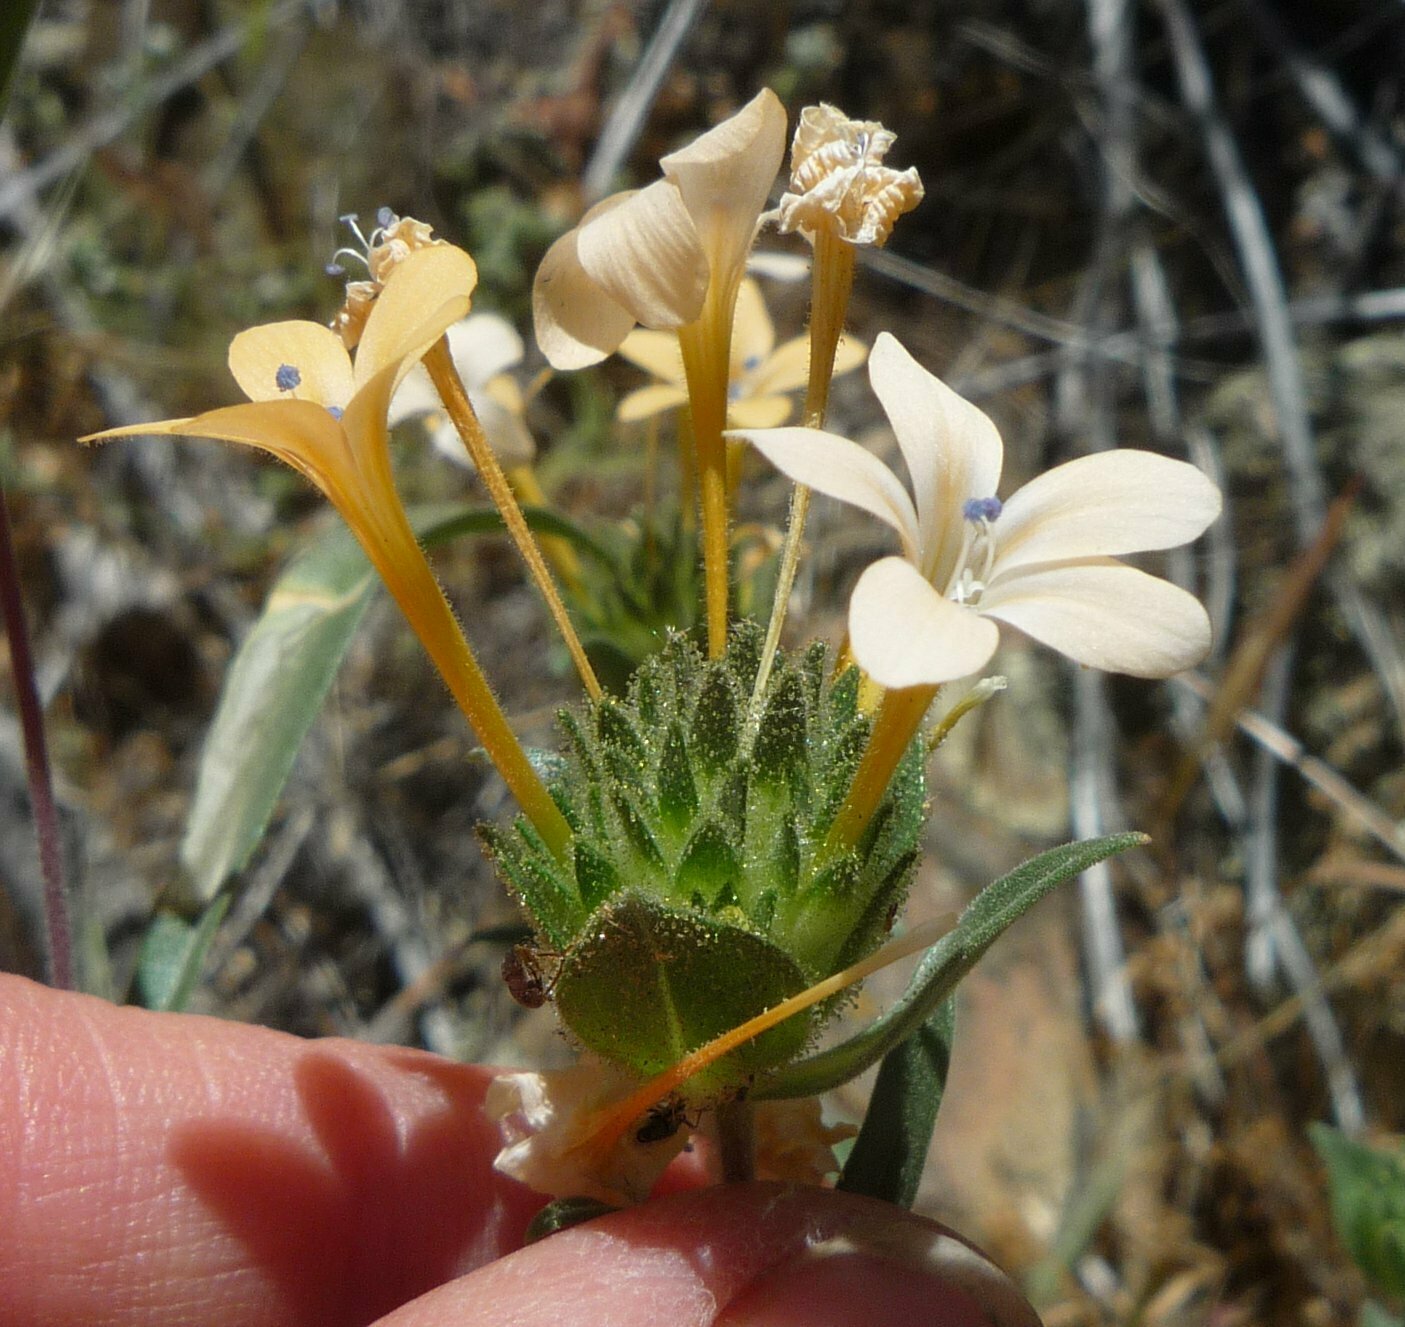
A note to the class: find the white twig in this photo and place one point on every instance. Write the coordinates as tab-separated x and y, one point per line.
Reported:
632	108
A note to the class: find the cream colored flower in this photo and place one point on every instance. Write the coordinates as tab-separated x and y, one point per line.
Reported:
838	179
1044	561
793	1143
483	346
648	256
550	1144
760	372
325	416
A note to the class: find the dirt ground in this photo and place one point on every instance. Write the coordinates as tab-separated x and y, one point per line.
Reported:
1174	224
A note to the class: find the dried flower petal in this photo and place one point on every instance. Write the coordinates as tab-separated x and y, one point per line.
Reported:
838	180
546	1121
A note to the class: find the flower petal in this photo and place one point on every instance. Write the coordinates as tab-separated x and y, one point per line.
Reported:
725	178
952	449
841	469
760	412
644	254
423	296
904	634
1112	502
655	352
789	367
316	353
576	323
753	333
484	345
1104	614
649	401
301	433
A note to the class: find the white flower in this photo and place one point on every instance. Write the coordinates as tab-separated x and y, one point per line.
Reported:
551	1142
483	346
648	256
1044	561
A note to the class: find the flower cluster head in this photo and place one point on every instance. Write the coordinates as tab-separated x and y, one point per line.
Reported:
650	256
838	180
1044	561
393	240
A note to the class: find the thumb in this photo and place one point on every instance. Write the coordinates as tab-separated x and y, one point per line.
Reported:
764	1255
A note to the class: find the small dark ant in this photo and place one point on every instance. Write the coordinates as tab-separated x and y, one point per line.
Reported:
524	976
662	1120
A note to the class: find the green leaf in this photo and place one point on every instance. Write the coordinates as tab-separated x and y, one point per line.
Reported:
173	954
647	984
1368	1205
891	1148
274	690
950	959
278	681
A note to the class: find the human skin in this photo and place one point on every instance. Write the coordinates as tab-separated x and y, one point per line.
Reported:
164	1169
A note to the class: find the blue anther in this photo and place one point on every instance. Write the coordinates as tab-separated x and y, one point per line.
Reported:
981	509
334	411
287	378
385	218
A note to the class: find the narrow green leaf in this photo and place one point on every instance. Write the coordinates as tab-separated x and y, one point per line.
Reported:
950	959
173	954
891	1148
275	688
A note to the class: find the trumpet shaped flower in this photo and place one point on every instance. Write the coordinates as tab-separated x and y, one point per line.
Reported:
312	407
650	256
761	373
1044	561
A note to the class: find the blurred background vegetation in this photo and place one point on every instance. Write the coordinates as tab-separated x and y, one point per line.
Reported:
1172	224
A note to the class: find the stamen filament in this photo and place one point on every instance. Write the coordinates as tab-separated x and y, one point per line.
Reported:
440	364
831	280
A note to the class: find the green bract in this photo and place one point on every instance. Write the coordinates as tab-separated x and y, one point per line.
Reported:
698	891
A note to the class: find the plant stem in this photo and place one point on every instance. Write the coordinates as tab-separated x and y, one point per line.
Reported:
57	921
440	364
831	280
707	350
899	717
736	1141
